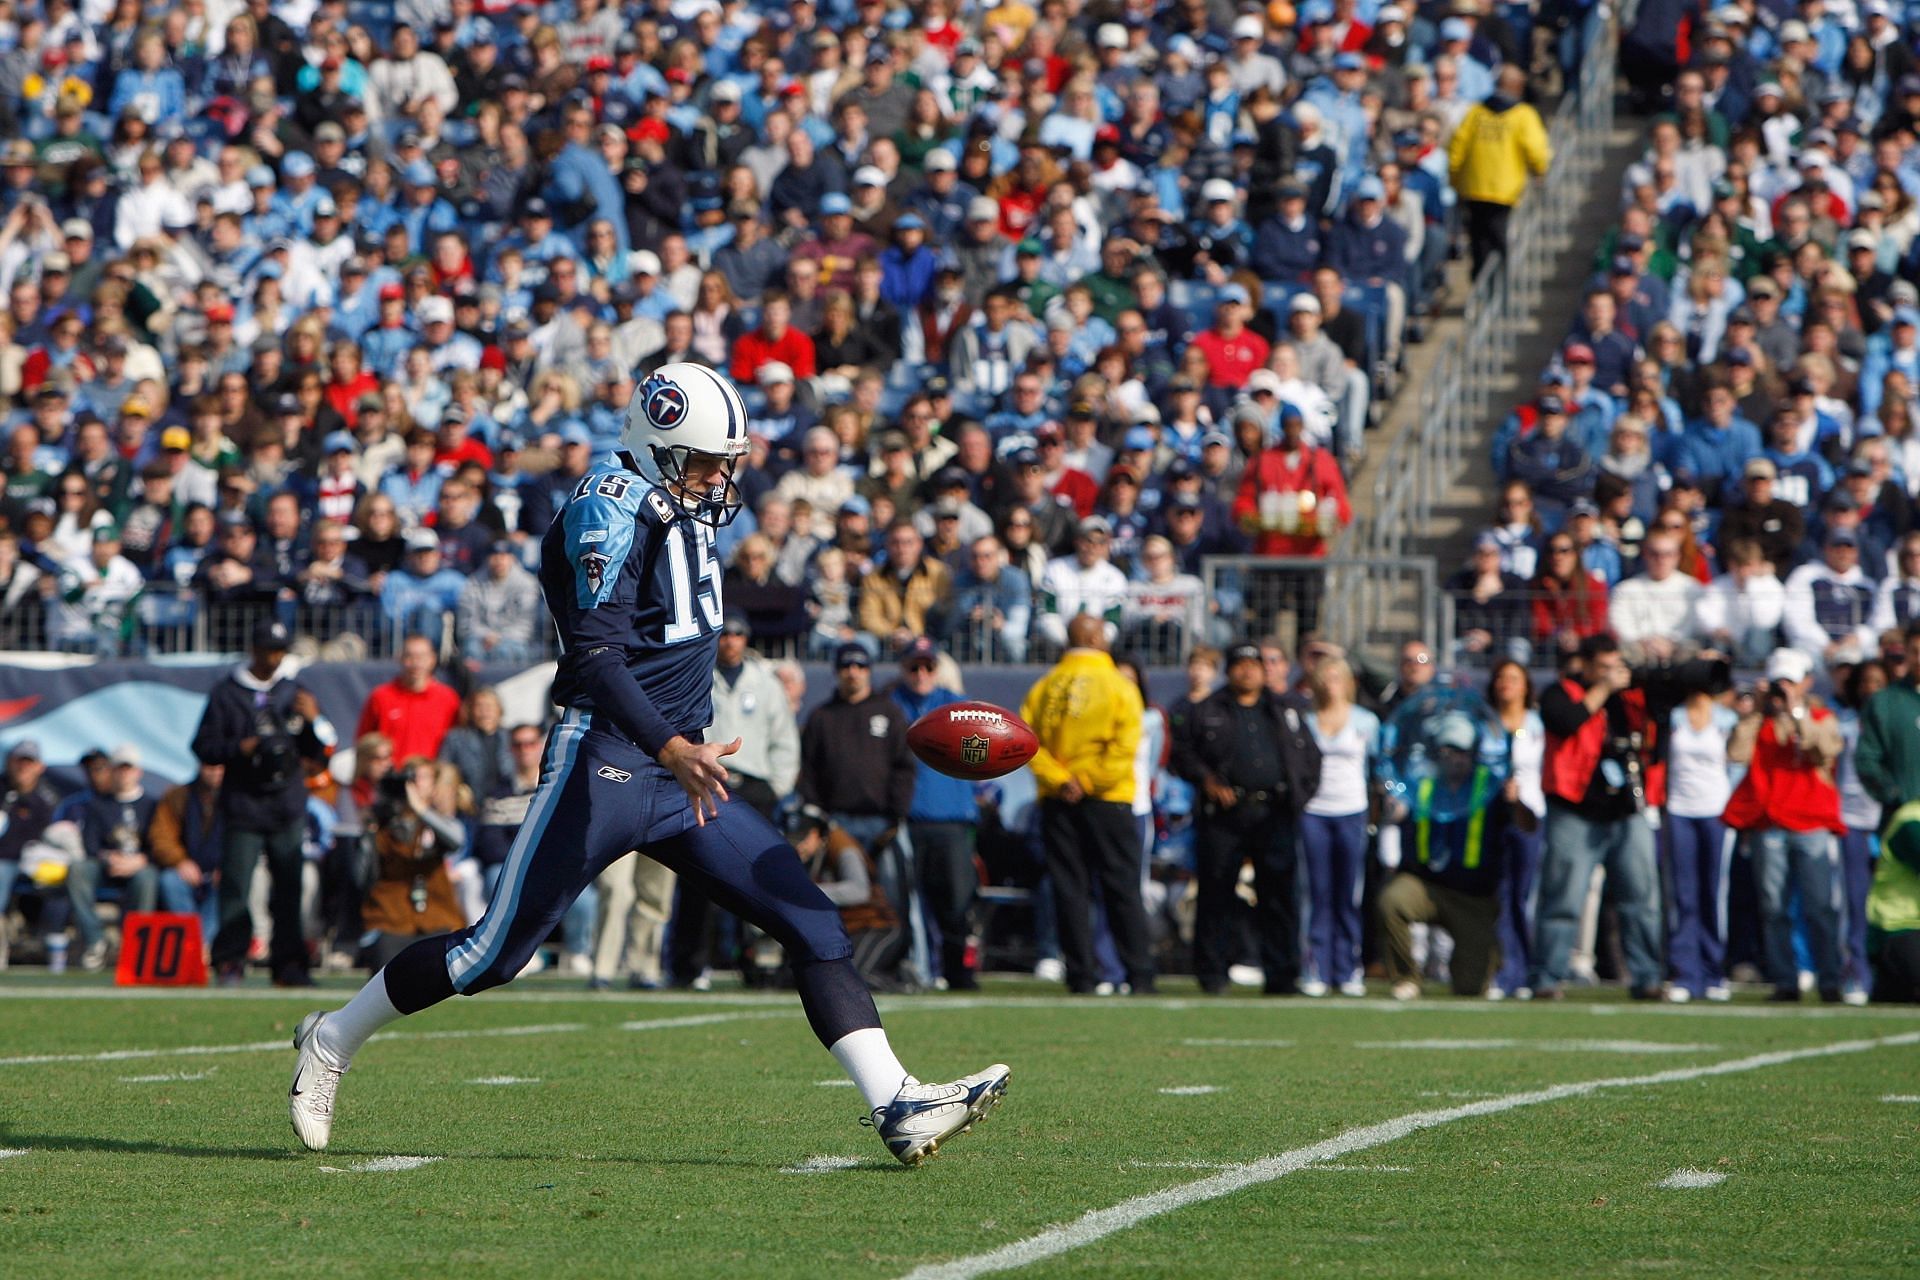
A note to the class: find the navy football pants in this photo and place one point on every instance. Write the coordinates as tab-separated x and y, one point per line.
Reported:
600	796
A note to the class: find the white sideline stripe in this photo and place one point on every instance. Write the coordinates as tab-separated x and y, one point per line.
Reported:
1193	1043
1544	1046
1177	1164
1901	1097
1362	1168
824	1164
1690	1180
7	1153
168	1077
279	1045
833	1084
1101	1223
1191	1090
385	1164
506	1080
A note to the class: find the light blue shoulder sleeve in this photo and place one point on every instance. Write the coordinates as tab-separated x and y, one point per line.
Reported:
601	523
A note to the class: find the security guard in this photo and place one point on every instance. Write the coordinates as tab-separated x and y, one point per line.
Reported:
1449	869
1254	760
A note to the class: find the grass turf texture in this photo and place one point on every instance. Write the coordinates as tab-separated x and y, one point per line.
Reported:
660	1150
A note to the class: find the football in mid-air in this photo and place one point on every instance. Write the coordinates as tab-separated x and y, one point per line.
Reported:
972	740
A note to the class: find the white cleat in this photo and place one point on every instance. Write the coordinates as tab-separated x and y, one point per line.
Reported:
1679	995
1354	988
1312	988
315	1082
922	1116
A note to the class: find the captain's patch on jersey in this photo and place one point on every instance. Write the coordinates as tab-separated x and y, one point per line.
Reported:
661	506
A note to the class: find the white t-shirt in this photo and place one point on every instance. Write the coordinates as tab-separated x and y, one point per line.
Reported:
1529	751
1344	764
1698	784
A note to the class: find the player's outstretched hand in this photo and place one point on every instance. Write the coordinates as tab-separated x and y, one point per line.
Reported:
697	768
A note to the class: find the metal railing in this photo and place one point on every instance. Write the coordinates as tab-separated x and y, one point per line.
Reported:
1456	398
1357	602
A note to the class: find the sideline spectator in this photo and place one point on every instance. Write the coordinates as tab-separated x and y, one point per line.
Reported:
1254	758
1789	810
263	727
1455	869
413	711
27	799
113	833
844	871
1594	774
1510	690
941	825
1333	832
184	840
1088	718
411	896
1699	785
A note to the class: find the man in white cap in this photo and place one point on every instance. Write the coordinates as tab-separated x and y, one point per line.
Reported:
1247	67
1789	809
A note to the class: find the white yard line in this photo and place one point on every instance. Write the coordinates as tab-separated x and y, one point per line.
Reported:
834	1084
7	1153
1194	1043
169	1077
1101	1223
385	1164
1901	1097
701	1020
504	1080
1542	1046
825	1164
1690	1180
1191	1090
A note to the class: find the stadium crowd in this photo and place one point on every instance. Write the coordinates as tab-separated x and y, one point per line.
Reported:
316	310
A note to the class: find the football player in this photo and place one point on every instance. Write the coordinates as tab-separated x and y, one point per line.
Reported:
629	573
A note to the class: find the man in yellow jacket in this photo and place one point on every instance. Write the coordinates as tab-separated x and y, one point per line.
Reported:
1499	142
1087	716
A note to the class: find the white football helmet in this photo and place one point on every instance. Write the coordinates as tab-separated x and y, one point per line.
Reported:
684	409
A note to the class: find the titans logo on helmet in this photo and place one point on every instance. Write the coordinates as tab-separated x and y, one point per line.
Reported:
665	402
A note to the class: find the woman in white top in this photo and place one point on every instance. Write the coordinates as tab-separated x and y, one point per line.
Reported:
1510	690
1333	833
1860	846
1698	787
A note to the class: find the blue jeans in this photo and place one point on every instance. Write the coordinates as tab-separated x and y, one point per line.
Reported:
1696	912
1858	850
1519	877
138	893
1810	860
1575	846
1333	862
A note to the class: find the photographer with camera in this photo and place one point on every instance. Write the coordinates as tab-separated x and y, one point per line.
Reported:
1788	809
412	896
263	727
1600	741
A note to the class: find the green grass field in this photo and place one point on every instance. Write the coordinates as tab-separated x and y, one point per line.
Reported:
651	1135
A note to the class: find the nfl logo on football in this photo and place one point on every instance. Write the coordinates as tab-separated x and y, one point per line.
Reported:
973	749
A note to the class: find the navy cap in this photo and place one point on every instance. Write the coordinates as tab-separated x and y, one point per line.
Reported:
1843	538
1551	404
1244	653
921	649
851	655
1025	458
272	636
736	624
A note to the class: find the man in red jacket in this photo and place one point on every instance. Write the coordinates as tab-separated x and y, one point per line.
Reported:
1599	744
1293	500
413	711
1789	809
775	339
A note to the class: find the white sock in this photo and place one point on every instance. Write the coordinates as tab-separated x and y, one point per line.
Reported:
343	1031
866	1056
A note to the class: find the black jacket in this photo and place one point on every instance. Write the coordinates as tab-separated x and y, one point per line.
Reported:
1203	741
265	789
854	758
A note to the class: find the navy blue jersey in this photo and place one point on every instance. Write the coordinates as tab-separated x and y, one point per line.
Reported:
634	589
